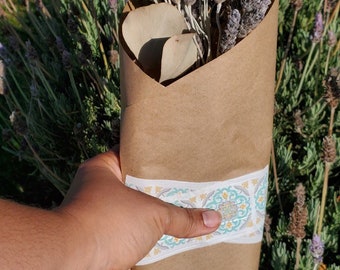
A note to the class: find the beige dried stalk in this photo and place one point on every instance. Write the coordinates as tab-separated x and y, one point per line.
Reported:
332	96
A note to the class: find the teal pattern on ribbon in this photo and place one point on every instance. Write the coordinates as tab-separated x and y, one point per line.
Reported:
241	202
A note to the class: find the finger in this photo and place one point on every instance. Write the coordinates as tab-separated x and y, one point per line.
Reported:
186	223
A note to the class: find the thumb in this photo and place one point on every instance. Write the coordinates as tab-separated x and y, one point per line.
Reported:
187	223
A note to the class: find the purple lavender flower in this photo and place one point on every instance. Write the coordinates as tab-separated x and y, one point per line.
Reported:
317	248
255	11
318	28
229	34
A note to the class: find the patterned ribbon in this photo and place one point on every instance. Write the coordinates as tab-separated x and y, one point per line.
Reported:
241	201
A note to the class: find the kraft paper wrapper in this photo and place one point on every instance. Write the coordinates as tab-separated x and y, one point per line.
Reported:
214	123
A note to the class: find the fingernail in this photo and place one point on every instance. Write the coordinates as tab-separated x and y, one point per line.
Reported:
211	218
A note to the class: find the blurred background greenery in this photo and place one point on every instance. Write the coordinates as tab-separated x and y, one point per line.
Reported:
59	80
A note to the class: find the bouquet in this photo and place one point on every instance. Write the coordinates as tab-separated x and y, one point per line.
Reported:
197	89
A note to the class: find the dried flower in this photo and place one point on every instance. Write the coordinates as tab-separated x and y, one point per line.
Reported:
318	28
299	215
255	11
332	85
317	248
229	34
331	39
328	149
66	59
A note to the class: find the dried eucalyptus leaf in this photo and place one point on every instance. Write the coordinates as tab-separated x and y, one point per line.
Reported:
151	22
179	53
147	29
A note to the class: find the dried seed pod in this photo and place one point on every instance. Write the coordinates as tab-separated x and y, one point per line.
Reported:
299	215
328	149
332	85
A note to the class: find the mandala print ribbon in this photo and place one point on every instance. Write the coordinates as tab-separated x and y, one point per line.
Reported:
241	201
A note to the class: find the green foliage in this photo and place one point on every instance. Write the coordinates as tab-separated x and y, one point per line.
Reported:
61	88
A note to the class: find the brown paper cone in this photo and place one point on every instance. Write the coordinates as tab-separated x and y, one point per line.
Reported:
213	124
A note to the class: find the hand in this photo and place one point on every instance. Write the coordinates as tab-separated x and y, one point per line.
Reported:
120	224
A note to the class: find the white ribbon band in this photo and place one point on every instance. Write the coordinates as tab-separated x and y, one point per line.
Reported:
241	201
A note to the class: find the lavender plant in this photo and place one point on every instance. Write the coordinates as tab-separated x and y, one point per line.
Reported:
306	145
60	83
